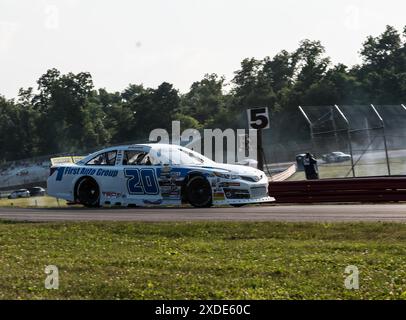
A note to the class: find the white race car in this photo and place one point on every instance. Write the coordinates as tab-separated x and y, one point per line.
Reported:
156	174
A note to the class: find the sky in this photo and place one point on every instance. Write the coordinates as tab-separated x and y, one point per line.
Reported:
130	41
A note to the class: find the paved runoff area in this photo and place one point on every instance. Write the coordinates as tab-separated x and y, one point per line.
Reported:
294	213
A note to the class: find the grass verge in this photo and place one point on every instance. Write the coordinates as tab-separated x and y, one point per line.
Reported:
219	260
41	202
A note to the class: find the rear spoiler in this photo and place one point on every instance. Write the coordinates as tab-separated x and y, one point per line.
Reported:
63	160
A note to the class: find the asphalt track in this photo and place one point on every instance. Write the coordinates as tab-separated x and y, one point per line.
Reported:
295	213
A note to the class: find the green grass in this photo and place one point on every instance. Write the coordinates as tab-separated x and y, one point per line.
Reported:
42	202
202	260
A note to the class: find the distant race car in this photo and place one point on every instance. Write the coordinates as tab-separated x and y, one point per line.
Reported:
36	191
336	156
22	193
156	174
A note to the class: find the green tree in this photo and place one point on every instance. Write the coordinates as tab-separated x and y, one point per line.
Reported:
383	74
118	116
253	85
66	116
17	130
151	108
311	65
205	99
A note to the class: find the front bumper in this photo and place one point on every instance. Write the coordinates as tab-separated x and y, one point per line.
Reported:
241	192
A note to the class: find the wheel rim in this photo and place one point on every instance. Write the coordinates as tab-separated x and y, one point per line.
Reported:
199	192
88	192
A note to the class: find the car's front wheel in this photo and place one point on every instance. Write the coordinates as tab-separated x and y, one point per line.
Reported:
88	192
198	192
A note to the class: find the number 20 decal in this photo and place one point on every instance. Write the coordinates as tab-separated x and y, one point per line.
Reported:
141	181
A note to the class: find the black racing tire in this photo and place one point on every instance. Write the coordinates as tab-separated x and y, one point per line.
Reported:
238	205
87	193
198	192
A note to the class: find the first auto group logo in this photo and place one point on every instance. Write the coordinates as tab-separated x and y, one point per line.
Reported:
63	171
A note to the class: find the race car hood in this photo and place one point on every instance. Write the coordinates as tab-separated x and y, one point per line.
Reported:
235	169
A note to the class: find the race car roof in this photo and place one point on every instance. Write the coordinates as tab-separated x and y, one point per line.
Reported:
147	147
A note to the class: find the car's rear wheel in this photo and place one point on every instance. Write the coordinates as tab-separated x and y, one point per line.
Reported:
198	192
88	192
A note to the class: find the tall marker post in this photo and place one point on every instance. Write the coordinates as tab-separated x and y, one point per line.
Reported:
258	119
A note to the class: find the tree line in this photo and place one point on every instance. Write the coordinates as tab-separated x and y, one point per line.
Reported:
67	114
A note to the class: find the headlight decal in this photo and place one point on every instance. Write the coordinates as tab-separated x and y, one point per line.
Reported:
226	175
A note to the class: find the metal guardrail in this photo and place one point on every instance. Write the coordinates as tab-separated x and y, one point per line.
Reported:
368	189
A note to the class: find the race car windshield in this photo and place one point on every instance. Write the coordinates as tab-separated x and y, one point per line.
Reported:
180	156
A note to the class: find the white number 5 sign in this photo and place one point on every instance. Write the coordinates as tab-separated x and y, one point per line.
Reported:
258	118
